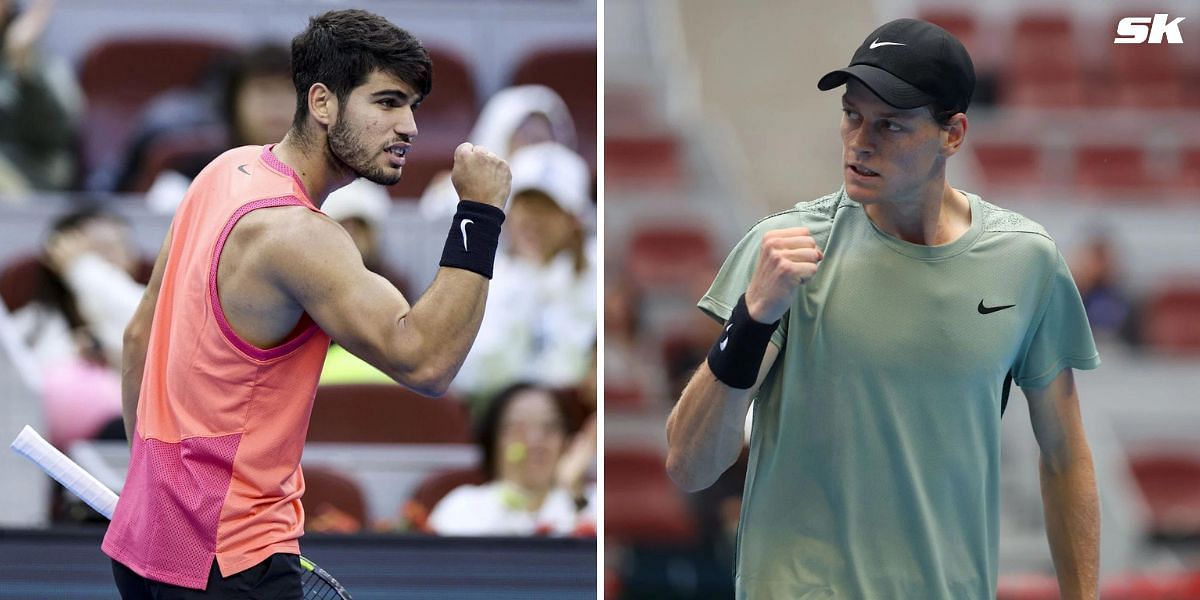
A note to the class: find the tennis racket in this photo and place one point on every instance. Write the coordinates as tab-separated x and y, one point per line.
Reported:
316	583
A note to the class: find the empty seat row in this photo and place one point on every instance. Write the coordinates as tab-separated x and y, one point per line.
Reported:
1121	170
1040	61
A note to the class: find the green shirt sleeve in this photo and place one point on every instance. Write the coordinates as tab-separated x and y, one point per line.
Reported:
1059	337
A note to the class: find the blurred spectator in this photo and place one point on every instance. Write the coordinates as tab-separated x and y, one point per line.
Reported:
631	371
540	321
1109	308
536	482
75	325
87	291
514	118
40	104
361	208
259	98
249	101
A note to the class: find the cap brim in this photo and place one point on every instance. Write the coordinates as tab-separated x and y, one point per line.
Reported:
891	89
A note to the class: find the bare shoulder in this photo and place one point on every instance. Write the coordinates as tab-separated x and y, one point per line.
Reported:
286	234
286	226
297	247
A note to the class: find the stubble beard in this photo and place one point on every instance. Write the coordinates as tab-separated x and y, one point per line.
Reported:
346	148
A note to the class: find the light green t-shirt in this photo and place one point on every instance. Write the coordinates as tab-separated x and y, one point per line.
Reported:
874	455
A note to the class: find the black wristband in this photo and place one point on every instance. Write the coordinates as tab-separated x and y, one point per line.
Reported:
737	355
473	238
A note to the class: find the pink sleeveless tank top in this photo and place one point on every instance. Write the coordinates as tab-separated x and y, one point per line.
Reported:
215	463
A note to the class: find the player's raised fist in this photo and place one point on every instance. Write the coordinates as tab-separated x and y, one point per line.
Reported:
787	258
480	175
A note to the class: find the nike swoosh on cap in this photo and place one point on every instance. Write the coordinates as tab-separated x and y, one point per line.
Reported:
463	227
875	44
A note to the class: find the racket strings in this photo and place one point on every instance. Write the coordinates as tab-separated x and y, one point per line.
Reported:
316	586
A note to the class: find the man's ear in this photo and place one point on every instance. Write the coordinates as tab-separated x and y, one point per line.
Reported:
322	104
954	134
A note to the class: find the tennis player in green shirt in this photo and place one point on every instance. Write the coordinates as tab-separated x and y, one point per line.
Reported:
877	331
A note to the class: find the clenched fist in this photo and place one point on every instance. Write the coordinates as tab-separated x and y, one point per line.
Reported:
786	260
480	175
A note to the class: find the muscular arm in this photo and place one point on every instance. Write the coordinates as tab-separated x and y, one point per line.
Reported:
1069	497
312	259
136	340
706	428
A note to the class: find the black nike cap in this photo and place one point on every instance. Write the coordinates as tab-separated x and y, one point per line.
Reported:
911	63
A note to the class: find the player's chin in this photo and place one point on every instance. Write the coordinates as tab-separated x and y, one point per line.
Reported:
386	176
860	192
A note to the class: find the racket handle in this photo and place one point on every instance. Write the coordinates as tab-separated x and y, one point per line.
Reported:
64	470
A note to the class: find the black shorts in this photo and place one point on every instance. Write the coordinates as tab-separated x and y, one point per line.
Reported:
276	578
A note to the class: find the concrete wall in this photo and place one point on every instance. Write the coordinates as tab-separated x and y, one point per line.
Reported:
757	65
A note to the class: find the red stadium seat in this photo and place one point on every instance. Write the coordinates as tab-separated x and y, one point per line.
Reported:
643	159
1144	76
177	150
623	396
1190	74
670	255
1172	319
628	108
1009	164
333	502
19	281
1151	586
120	75
1113	170
1171	486
1132	587
380	413
444	121
1027	587
1188	172
1045	68
612	583
570	70
431	491
641	504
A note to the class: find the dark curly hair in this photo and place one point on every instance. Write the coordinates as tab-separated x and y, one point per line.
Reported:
342	48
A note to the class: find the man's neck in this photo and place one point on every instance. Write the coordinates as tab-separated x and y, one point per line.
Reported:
934	218
316	170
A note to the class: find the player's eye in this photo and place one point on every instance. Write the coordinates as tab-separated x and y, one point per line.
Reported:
850	114
890	125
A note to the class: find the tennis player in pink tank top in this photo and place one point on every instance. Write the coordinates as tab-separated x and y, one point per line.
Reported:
222	357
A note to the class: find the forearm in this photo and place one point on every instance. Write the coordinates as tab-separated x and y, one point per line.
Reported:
133	368
705	430
1071	507
433	339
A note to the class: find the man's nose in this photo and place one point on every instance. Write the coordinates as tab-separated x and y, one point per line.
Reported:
407	125
862	142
